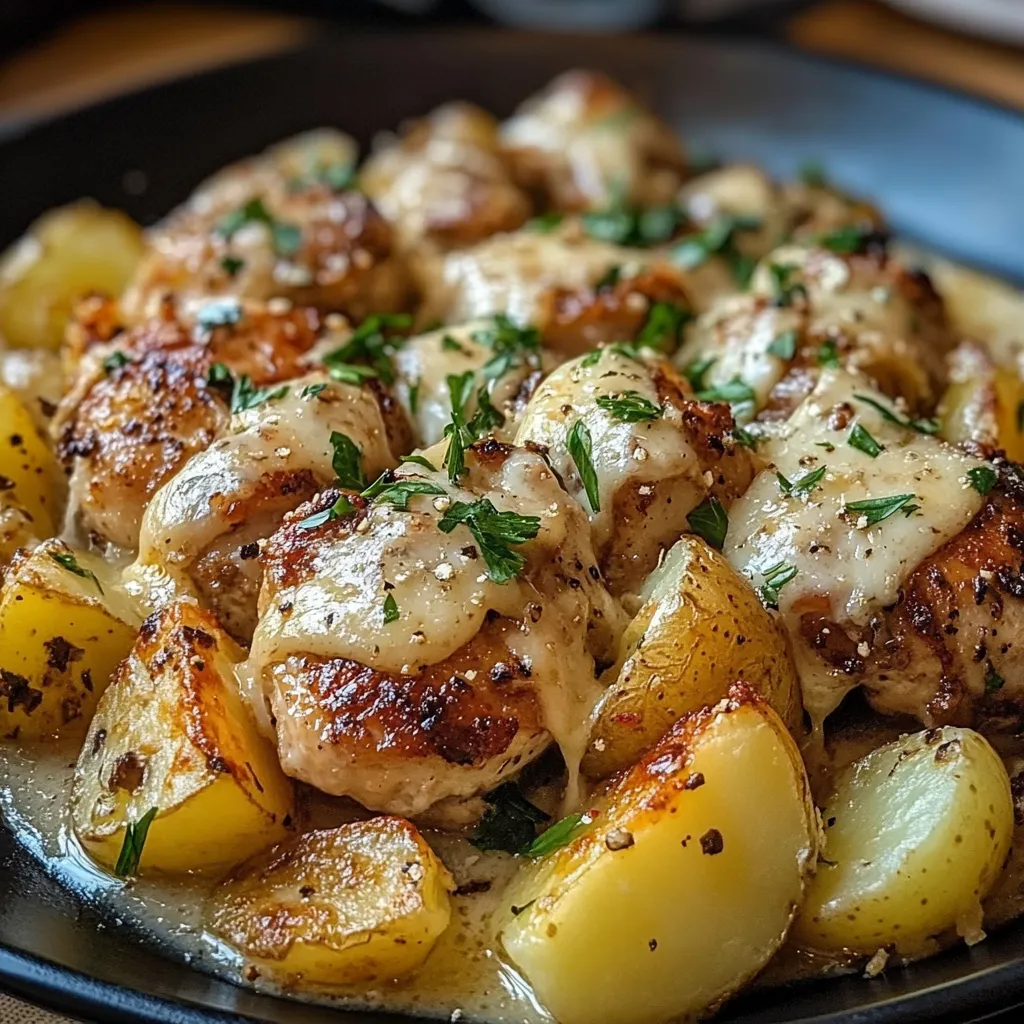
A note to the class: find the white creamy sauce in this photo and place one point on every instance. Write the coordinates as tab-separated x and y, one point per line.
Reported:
845	565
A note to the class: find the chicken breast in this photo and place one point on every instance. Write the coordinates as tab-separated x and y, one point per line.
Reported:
285	224
428	643
584	142
811	307
144	402
202	531
651	454
445	180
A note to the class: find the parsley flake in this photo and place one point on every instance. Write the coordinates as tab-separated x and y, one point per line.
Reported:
347	462
775	578
66	560
341	508
922	426
862	440
804	485
231	265
732	391
545	223
286	238
312	390
717	239
513	346
993	680
828	355
630	407
874	510
369	344
784	289
696	370
784	346
132	846
558	835
581	446
115	361
710	522
982	478
494	533
419	460
663	327
390	609
509	823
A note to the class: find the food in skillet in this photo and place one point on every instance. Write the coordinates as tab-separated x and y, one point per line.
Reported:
454	575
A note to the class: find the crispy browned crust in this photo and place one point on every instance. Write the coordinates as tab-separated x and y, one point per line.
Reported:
465	710
574	321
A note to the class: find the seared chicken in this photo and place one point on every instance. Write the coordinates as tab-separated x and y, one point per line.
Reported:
430	642
652	453
445	180
584	142
285	224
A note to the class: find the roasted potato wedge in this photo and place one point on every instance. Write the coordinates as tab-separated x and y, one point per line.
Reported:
916	833
363	902
64	626
28	469
686	883
701	627
65	254
174	733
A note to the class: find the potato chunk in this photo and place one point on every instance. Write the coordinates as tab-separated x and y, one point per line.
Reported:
174	733
65	254
686	884
363	902
916	833
28	469
64	626
700	628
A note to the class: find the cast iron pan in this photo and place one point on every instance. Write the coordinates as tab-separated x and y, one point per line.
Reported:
948	170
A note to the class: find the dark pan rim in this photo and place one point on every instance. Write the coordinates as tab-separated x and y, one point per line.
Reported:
62	989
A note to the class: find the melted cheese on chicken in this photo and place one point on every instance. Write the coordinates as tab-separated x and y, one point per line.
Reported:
847	568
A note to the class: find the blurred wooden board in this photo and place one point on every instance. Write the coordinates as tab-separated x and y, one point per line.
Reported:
109	52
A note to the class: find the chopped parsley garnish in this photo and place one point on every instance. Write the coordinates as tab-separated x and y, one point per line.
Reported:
347	462
419	460
286	237
591	359
352	373
338	510
398	492
850	239
746	438
545	223
710	522
874	510
414	396
717	239
370	345
338	177
486	417
784	345
609	279
390	609
132	846
460	436
803	485
993	680
312	390
581	448
66	560
828	355
784	289
922	426
241	393
494	533
630	407
775	578
511	344
231	265
696	370
622	224
732	391
862	440
982	478
509	823
827	445
450	344
558	835
219	313
663	327
115	361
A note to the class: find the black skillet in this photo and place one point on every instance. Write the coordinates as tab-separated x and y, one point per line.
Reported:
948	170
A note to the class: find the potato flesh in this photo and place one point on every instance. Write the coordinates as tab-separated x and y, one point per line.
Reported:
701	628
61	638
669	925
173	732
916	834
66	254
28	470
363	902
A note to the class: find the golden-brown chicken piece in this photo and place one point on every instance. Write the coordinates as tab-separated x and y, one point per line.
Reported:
655	454
265	228
144	402
584	142
446	180
810	308
431	641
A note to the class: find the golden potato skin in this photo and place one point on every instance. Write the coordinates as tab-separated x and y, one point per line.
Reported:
701	628
28	470
361	903
174	733
61	637
916	834
685	884
65	254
